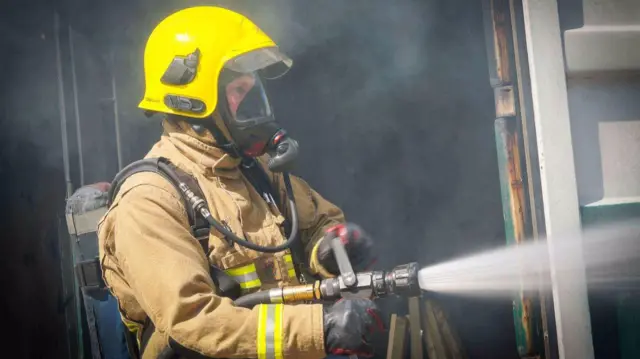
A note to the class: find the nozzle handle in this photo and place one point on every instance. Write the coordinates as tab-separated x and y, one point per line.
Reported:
344	264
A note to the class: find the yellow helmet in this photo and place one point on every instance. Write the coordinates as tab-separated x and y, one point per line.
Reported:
187	51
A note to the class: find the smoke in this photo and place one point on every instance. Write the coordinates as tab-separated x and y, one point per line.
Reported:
393	108
381	46
390	102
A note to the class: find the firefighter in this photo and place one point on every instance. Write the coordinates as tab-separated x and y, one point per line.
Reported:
204	70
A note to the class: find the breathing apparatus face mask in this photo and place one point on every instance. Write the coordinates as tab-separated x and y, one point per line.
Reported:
247	114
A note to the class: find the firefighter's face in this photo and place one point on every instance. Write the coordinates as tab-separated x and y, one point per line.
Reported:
236	91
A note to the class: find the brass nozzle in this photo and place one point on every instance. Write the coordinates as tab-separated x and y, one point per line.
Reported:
300	293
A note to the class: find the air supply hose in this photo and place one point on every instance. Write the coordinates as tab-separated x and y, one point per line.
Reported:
200	206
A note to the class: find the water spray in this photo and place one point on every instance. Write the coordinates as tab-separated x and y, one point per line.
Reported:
609	256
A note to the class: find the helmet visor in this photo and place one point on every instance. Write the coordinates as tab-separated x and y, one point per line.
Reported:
269	62
247	99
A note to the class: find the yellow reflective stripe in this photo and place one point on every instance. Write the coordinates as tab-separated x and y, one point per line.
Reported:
269	339
292	273
246	276
241	270
277	333
133	328
289	263
251	284
261	339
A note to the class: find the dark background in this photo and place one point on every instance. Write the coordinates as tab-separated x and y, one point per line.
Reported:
390	101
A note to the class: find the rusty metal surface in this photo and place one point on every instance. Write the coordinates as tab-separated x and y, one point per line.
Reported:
498	33
514	187
505	101
530	153
513	212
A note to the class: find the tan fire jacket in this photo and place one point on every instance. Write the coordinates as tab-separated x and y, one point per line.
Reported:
155	268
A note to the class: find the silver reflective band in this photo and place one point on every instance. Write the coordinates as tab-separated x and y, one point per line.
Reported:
246	276
243	278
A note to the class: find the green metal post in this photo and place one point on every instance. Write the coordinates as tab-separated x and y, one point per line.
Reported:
504	73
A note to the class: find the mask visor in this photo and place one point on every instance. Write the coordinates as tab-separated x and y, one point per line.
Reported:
247	100
250	119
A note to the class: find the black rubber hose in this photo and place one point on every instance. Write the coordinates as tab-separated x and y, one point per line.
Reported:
253	299
284	246
235	239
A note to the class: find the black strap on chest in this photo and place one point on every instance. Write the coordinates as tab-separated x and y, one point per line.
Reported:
198	225
257	176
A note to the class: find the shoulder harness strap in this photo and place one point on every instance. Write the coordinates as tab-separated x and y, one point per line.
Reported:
198	225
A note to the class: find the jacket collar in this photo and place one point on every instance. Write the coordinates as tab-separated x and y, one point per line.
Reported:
200	149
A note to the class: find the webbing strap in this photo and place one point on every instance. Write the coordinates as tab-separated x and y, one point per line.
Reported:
257	176
199	226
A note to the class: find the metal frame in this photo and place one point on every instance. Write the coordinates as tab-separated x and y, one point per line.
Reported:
516	162
557	175
76	107
62	107
116	116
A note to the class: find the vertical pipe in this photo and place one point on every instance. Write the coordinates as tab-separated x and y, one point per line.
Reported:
65	159
116	117
62	108
558	176
75	104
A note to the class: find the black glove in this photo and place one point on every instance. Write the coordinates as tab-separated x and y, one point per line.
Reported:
357	243
349	325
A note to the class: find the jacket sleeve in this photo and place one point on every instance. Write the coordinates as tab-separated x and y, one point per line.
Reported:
315	215
169	275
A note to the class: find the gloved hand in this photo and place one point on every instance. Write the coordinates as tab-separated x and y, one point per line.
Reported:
357	243
349	325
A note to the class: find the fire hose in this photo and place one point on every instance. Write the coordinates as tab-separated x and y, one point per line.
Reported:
400	281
